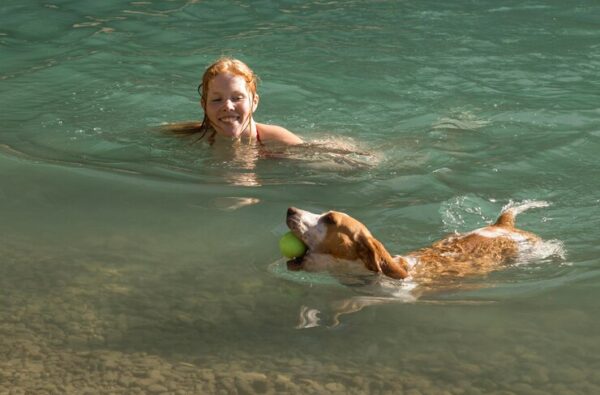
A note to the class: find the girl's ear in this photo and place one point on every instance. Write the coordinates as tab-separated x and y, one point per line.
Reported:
255	100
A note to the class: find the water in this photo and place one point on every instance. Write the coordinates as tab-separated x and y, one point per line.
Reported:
134	262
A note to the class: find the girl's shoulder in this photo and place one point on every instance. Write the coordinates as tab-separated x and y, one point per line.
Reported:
277	134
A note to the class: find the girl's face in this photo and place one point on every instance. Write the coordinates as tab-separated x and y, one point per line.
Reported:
229	105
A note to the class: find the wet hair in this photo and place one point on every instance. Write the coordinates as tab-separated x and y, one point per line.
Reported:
222	65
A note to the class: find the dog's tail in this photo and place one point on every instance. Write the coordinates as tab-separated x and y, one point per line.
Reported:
512	209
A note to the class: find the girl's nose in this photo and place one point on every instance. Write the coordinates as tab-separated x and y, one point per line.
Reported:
229	105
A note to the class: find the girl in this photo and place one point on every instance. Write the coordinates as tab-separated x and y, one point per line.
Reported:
229	99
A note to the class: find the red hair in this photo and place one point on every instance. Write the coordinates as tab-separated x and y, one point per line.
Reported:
231	66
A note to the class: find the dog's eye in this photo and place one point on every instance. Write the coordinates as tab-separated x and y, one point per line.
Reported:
328	219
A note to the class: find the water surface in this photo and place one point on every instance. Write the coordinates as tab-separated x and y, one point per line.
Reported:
135	262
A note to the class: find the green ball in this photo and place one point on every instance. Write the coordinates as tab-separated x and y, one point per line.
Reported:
291	246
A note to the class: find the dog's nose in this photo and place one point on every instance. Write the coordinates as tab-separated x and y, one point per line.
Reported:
291	211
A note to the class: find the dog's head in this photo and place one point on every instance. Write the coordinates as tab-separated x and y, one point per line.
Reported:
339	244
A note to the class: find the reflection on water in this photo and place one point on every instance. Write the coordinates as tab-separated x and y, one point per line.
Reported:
239	162
252	165
234	203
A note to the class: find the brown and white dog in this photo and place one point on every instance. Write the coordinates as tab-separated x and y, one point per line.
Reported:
344	247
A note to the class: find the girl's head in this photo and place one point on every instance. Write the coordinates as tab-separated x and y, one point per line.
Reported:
228	97
230	66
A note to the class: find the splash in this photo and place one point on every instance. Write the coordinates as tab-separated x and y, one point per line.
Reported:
518	208
335	153
544	251
463	213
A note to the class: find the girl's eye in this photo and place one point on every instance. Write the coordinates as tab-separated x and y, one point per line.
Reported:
215	100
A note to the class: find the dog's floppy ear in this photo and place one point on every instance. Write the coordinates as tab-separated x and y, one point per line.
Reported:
377	259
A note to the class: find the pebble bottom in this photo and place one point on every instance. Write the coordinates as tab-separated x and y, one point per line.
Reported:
61	344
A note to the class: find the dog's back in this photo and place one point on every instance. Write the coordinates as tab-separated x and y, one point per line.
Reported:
477	252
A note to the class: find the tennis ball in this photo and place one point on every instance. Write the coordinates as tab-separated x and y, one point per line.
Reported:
291	246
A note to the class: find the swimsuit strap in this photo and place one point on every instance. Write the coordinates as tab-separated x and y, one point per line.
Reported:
258	136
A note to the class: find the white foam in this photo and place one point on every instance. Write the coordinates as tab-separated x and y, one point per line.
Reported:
540	251
518	208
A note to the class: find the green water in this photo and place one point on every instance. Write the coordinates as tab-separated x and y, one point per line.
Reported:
134	262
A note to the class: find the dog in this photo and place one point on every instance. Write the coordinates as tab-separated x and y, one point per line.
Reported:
343	247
